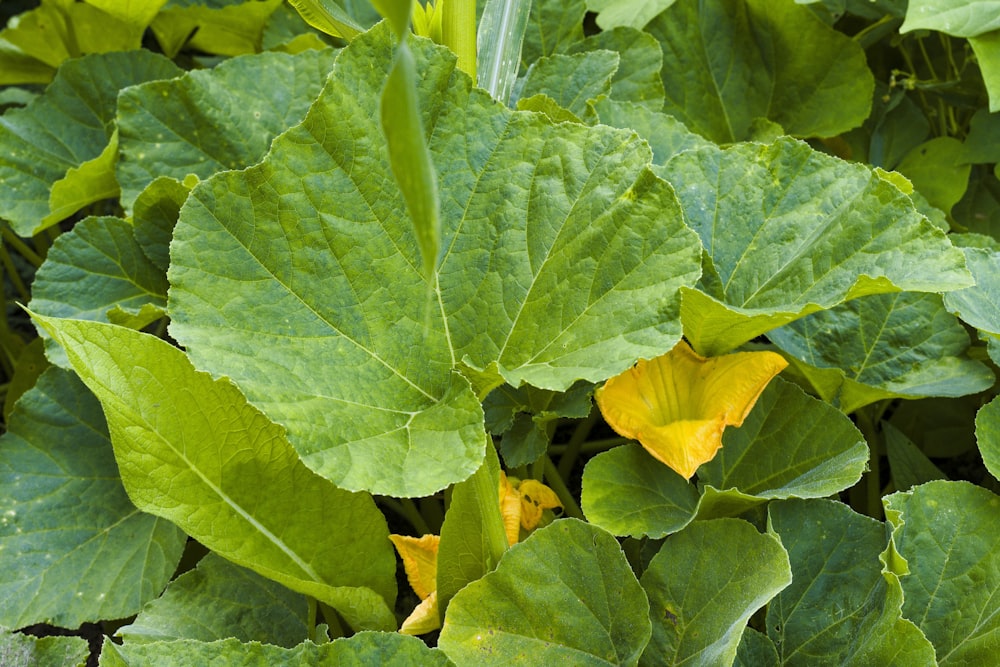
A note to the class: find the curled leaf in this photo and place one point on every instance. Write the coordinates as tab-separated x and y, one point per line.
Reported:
678	404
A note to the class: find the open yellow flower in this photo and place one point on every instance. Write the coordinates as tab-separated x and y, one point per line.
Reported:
678	404
521	506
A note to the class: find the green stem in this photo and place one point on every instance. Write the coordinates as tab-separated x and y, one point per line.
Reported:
407	509
591	447
867	418
14	276
568	459
333	621
311	616
14	241
458	32
556	483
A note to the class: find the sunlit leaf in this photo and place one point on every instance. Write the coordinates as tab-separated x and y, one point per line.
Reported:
677	405
224	27
962	18
988	435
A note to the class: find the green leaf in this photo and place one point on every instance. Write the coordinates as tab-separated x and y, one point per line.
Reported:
472	536
902	345
551	231
790	446
553	26
839	609
979	305
566	594
627	492
755	650
666	135
699	610
154	215
363	649
22	650
92	181
222	27
988	435
571	81
67	127
73	548
979	210
936	170
637	78
397	12
947	533
728	62
30	364
212	120
288	32
961	18
632	13
191	450
986	46
340	18
94	268
813	231
218	600
909	466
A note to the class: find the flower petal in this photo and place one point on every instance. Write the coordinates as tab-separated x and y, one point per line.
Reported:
677	405
419	556
510	510
424	618
535	497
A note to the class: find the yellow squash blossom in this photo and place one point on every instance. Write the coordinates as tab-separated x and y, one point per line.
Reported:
521	506
678	404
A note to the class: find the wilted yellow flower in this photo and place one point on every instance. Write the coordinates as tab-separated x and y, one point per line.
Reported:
678	404
419	556
522	504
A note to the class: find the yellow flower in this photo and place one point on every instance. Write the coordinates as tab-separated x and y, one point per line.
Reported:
678	404
520	507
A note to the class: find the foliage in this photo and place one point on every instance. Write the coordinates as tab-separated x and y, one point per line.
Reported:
284	288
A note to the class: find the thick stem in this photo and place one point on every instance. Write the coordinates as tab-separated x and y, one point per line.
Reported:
458	32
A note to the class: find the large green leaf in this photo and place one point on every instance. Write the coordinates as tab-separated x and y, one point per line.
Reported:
666	135
637	78
23	650
211	120
962	18
218	600
73	548
190	449
947	533
320	312
224	27
566	595
979	305
632	13
700	608
936	171
571	81
839	608
790	446
986	46
361	650
788	231
95	268
628	492
727	63
553	26
902	345
66	127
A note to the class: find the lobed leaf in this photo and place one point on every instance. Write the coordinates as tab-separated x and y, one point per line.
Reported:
190	449
550	231
73	548
564	594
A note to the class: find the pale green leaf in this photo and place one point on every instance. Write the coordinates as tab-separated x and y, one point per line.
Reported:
908	465
988	435
341	18
628	492
902	345
472	536
73	548
571	81
139	13
321	314
190	449
986	46
979	305
947	533
68	126
211	120
637	78
92	181
222	27
839	608
542	103
700	609
566	595
94	268
790	446
666	135
728	62
364	649
961	18
935	168
217	600
632	13
789	231
23	650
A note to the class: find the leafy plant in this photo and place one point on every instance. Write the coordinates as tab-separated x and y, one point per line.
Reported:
285	289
